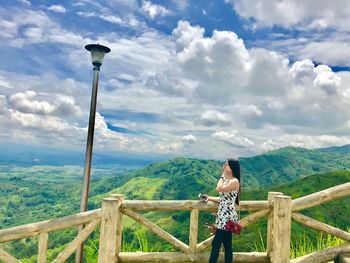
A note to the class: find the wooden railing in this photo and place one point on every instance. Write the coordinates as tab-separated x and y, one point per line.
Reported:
279	209
43	228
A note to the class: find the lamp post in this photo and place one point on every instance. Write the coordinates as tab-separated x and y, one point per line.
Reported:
97	54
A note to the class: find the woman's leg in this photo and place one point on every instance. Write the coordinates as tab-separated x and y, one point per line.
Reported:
215	246
227	240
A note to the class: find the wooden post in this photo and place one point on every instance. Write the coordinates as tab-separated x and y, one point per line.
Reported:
193	230
282	212
270	199
42	247
108	237
120	198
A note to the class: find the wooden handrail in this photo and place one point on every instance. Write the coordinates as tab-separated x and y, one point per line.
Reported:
69	250
8	257
182	205
34	229
321	197
257	257
276	208
317	225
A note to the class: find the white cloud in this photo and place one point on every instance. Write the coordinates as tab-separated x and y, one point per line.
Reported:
174	93
328	51
86	14
212	118
318	30
302	70
166	148
57	131
28	27
153	10
247	110
3	107
4	83
290	13
181	5
25	2
62	105
23	103
8	28
184	34
117	12
305	141
150	52
268	73
327	80
202	60
57	8
190	139
41	122
170	83
255	88
66	106
112	19
232	139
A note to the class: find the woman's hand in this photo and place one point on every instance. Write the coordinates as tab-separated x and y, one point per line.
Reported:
204	198
231	185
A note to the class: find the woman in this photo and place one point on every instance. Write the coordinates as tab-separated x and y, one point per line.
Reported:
228	187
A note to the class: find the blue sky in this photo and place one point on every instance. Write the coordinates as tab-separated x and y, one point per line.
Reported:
206	79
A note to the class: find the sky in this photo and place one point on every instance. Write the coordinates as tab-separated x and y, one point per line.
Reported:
205	79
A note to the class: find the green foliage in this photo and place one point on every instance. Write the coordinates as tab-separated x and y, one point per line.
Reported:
30	194
303	244
306	245
260	244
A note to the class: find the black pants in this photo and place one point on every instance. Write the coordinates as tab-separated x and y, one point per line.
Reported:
224	237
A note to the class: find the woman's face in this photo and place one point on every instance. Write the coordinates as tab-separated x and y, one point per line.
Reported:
226	168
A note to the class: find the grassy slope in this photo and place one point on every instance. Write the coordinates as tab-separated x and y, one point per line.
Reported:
332	213
289	164
177	222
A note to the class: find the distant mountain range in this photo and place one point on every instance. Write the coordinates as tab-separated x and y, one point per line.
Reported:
290	163
15	155
345	149
30	156
272	168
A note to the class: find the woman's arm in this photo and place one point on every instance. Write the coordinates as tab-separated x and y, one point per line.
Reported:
214	199
230	186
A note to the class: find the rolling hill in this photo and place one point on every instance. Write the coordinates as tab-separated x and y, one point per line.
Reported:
29	194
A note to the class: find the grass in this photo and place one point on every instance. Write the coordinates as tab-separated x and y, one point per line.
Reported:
139	243
304	244
261	245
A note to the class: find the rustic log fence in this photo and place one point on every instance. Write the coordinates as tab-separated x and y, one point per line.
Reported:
279	209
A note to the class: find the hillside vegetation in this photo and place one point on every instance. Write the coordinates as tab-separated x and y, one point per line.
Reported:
30	194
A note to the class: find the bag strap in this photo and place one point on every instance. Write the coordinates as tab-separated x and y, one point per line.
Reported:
238	210
239	214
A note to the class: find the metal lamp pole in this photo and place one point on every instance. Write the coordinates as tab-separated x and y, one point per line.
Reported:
97	54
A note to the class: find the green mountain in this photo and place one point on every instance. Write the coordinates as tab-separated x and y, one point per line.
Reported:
289	163
345	149
55	190
184	178
29	194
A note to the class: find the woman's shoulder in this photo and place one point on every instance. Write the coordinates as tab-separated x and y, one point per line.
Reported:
234	180
235	183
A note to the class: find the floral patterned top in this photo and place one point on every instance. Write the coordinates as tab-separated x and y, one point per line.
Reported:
227	209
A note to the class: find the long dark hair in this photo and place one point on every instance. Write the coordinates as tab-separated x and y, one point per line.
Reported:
236	171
